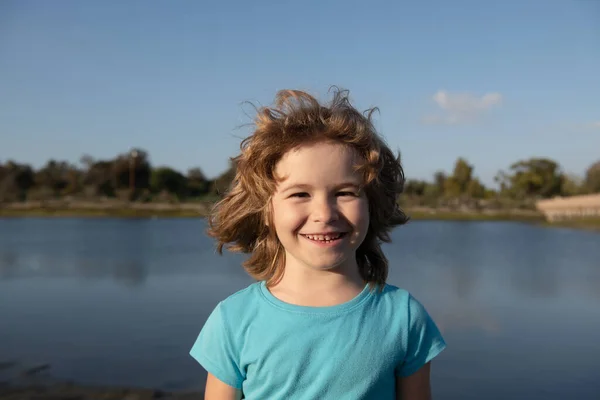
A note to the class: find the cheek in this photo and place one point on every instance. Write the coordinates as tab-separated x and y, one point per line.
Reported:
358	213
286	218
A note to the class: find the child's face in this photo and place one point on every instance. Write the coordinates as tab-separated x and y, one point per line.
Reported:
319	214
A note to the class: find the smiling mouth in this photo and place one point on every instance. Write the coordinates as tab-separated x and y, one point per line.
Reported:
328	238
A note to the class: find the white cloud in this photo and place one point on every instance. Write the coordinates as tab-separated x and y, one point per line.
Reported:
596	124
459	108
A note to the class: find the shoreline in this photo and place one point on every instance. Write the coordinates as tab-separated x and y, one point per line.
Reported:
37	382
201	210
135	212
85	392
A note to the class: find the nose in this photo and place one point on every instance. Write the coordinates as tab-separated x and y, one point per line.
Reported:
324	210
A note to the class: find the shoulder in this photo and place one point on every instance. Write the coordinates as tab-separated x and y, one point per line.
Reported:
393	297
240	304
248	293
224	328
394	292
398	297
401	306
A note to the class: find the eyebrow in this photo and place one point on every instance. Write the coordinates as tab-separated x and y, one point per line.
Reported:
305	186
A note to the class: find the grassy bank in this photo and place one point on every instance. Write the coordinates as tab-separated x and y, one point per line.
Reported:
447	215
200	212
101	212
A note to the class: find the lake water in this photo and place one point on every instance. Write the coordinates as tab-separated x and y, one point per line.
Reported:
113	301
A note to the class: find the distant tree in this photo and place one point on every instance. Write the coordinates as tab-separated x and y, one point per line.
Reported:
432	192
136	160
536	177
198	185
15	180
223	182
459	183
503	179
166	178
490	193
452	187
572	185
462	175
196	174
439	179
592	178
475	189
414	187
60	177
100	178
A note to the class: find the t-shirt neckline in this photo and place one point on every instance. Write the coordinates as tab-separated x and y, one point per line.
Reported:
335	309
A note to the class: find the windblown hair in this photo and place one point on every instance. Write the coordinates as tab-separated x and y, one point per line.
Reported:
240	220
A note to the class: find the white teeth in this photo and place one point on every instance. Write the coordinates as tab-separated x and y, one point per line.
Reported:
323	238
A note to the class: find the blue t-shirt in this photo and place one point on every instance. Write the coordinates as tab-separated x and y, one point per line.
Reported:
275	350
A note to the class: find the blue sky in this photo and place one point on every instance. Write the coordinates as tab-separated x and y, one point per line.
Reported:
493	82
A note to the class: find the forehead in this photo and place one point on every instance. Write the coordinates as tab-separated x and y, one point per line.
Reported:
319	163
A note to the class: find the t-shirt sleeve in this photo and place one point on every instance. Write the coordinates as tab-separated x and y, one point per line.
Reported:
216	351
424	340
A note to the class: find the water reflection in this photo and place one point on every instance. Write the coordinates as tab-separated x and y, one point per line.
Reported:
8	264
128	272
593	283
120	301
462	257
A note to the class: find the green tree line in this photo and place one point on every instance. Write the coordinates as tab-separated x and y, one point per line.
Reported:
520	185
131	176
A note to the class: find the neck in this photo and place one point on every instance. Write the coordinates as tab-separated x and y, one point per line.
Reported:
303	286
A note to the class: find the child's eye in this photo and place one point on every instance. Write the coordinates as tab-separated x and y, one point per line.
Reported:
347	194
301	194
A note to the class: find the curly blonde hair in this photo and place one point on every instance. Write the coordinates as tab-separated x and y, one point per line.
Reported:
240	221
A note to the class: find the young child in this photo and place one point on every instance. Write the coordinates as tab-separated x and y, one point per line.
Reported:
314	195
